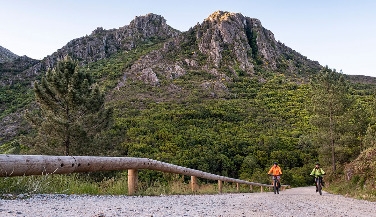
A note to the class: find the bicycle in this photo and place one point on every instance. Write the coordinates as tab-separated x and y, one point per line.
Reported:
276	184
318	182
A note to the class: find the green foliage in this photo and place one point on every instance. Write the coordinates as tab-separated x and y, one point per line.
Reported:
355	188
12	147
114	185
14	97
108	71
234	127
71	111
237	136
330	103
252	36
63	184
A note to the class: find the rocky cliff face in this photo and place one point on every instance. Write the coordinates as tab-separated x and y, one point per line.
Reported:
103	43
12	85
6	55
11	70
224	32
247	42
223	42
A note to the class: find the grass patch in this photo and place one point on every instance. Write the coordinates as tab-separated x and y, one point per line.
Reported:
62	184
356	188
117	185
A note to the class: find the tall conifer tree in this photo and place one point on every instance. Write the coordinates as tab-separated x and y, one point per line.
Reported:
72	110
330	102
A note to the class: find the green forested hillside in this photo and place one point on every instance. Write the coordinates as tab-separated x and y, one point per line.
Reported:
237	135
228	113
235	130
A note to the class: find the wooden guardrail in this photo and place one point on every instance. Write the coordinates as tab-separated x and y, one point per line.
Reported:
25	165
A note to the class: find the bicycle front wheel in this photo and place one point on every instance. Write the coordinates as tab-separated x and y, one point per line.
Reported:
319	186
275	187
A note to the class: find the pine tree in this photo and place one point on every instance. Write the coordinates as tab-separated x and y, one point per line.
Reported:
330	102
71	110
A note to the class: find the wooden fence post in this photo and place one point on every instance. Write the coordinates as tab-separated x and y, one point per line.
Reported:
132	181
220	186
237	187
194	185
262	189
251	188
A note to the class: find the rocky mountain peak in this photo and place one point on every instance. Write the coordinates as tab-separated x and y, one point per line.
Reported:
224	42
223	33
247	42
148	21
219	16
103	43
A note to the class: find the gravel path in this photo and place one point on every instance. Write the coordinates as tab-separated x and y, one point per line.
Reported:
292	202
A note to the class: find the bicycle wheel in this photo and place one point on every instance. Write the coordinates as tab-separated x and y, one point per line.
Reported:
275	186
319	187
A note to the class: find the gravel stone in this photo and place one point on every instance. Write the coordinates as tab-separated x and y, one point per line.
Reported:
291	202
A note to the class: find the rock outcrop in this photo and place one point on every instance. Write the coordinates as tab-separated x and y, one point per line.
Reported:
103	43
6	55
11	70
223	42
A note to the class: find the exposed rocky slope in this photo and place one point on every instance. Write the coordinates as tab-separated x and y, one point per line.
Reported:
362	79
224	42
13	87
11	70
6	55
103	43
225	45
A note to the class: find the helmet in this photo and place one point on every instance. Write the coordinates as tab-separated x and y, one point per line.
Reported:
275	163
317	163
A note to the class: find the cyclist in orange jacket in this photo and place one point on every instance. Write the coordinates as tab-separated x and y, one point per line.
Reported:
276	172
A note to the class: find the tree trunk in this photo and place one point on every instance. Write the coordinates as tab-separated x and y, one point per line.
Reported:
332	143
67	133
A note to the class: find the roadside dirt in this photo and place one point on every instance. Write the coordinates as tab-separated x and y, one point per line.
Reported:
291	202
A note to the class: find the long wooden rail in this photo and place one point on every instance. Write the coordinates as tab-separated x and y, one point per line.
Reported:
25	165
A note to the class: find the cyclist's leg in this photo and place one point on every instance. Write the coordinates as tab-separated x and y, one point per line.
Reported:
277	185
319	185
317	189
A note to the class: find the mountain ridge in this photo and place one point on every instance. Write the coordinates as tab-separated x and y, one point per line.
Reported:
6	55
225	44
224	47
103	43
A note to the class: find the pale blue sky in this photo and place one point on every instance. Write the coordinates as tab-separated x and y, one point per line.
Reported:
340	34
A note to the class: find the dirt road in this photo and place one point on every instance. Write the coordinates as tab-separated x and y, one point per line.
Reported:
292	202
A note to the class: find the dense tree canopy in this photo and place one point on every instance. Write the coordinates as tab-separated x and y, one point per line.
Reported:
71	112
237	131
330	102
